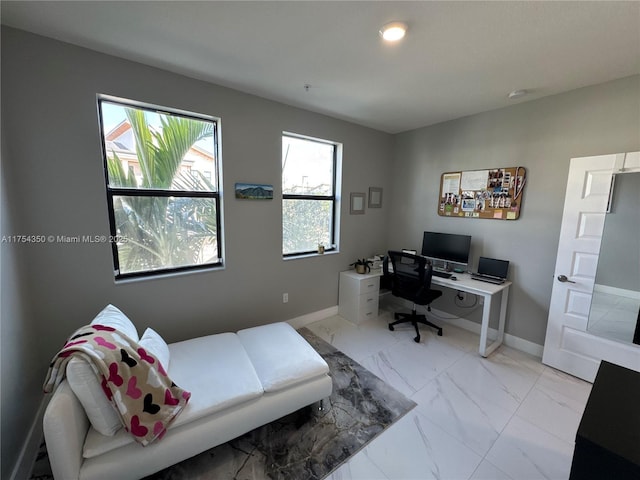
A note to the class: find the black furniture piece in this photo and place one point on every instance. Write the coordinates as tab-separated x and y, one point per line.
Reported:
410	279
608	438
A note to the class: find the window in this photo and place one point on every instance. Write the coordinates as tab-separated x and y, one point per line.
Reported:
309	169
162	174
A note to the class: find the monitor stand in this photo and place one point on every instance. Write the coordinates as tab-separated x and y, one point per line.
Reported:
446	268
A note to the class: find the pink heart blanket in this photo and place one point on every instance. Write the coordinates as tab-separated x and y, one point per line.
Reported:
131	378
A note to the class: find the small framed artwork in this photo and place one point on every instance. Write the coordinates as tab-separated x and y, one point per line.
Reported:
254	191
357	204
375	197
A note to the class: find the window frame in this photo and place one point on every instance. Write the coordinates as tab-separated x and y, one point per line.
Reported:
333	198
112	192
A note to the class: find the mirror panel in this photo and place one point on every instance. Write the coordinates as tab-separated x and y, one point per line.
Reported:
615	305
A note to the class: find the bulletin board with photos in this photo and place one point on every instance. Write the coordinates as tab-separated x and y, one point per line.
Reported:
494	193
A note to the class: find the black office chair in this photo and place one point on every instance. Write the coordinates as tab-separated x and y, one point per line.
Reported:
411	280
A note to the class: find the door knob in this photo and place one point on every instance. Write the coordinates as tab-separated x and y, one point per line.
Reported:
563	278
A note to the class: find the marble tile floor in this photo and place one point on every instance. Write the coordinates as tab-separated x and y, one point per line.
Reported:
613	316
505	417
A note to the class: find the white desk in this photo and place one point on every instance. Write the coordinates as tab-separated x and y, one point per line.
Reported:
465	283
356	291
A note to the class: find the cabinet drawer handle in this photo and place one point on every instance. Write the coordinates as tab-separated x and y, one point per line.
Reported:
369	313
371	285
369	299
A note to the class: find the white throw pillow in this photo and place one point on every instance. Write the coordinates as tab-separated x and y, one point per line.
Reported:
84	382
110	316
100	411
154	344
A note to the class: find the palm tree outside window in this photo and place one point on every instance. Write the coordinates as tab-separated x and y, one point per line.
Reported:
162	177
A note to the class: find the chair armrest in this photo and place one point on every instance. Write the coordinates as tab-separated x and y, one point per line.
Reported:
65	427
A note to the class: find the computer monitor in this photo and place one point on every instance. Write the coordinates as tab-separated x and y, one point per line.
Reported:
446	247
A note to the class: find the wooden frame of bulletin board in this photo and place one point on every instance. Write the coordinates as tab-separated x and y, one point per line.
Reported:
493	193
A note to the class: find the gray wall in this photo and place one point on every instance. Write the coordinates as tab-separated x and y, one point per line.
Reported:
539	135
20	364
54	166
619	261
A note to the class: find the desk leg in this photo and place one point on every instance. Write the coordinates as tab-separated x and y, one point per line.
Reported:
485	350
484	328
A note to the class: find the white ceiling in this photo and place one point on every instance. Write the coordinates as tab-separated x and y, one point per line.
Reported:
458	58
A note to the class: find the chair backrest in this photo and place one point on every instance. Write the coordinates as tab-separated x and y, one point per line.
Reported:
411	276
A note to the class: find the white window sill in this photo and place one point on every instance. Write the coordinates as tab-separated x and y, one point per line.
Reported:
310	255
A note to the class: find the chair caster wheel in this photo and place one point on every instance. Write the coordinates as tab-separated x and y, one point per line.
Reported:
417	339
391	327
440	332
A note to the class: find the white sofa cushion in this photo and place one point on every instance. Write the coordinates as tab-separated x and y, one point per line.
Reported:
215	369
154	344
84	382
282	358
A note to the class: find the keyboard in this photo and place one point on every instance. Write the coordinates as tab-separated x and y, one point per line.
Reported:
437	273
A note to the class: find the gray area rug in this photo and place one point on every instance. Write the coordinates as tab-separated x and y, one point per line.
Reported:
308	444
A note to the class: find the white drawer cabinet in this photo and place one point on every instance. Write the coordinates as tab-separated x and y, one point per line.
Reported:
358	296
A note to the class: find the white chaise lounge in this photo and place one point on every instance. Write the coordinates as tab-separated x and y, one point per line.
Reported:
237	382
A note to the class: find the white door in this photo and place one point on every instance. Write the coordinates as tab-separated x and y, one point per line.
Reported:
568	346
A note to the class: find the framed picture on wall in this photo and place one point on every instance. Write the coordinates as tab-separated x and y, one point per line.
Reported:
356	206
254	191
375	197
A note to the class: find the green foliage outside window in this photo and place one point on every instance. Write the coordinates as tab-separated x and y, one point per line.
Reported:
306	224
308	189
162	217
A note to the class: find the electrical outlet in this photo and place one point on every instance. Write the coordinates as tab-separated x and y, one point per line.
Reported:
285	298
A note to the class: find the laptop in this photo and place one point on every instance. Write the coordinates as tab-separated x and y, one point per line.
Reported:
491	270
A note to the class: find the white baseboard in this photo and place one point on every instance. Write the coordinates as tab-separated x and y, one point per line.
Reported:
621	292
509	340
523	345
29	450
309	318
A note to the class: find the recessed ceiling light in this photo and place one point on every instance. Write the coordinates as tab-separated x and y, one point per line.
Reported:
393	31
518	94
